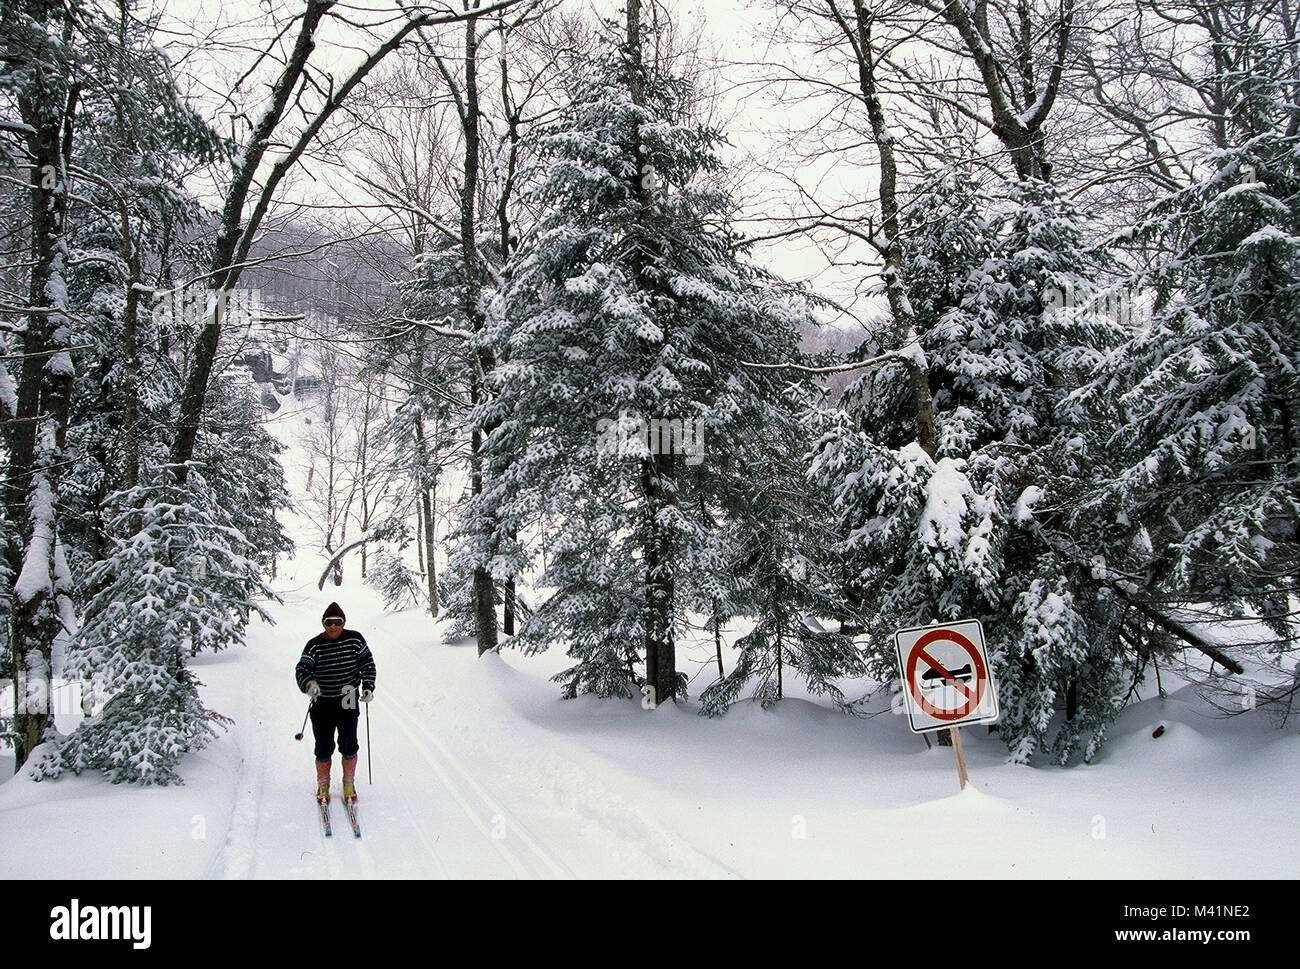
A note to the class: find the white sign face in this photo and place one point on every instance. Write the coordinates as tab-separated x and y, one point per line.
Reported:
947	678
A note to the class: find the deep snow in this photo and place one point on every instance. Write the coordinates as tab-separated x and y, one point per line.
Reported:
482	772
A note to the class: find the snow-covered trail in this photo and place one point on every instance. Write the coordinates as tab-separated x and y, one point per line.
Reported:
422	819
463	788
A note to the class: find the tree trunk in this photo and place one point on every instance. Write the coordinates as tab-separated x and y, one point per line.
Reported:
661	657
513	120
38	431
419	529
717	639
131	304
363	448
428	526
430	544
1018	117
485	615
895	284
230	232
659	469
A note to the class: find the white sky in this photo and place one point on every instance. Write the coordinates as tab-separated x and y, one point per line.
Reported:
736	30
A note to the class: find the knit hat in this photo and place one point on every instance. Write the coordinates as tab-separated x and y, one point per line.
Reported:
332	611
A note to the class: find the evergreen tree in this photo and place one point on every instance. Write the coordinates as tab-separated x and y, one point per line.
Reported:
396	582
972	531
781	570
185	576
1200	485
625	409
75	436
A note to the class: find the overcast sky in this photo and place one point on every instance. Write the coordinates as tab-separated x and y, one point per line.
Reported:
733	31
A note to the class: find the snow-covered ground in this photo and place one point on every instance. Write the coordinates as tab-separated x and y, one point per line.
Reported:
480	771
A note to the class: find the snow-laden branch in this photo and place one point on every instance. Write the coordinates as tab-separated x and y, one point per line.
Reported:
17	127
441	330
1127	590
912	351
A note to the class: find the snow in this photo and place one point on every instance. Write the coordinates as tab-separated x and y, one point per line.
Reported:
912	350
8	392
480	771
948	493
1024	509
61	364
1269	235
35	578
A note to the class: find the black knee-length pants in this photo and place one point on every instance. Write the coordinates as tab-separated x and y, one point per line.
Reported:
331	714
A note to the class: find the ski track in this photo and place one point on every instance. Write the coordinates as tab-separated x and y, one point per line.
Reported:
644	846
365	859
436	815
477	804
237	858
429	846
435	801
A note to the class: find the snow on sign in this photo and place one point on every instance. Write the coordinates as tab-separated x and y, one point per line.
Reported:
946	676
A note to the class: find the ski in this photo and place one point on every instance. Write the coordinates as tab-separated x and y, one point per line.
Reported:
325	817
351	808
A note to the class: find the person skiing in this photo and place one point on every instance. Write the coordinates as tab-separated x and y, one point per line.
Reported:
334	670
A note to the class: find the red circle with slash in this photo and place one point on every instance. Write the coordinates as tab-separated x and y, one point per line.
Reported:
917	654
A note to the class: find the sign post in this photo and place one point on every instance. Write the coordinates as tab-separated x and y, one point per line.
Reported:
947	680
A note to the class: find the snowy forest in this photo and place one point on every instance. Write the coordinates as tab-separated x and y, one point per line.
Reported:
618	330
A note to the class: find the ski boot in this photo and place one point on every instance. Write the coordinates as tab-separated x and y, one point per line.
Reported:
349	780
323	781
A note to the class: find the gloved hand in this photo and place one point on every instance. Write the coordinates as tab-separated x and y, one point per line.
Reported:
367	695
313	689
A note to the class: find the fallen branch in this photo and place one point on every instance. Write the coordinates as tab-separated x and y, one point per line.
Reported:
1183	632
375	534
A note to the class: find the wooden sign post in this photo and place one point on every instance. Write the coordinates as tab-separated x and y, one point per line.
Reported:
947	681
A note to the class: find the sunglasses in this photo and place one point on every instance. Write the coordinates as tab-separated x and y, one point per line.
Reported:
334	622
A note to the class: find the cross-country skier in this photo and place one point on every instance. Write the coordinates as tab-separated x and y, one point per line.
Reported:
335	669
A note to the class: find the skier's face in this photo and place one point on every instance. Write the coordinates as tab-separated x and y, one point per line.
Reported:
334	629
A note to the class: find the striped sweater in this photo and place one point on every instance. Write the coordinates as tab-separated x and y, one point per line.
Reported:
337	666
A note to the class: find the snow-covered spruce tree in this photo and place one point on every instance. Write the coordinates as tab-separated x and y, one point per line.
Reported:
241	463
781	568
117	414
395	581
185	576
42	67
1202	481
624	406
71	70
178	584
962	534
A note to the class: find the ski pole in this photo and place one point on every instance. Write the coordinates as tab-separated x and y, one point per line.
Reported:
370	775
298	735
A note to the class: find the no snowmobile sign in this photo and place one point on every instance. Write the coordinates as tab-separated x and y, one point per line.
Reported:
946	676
